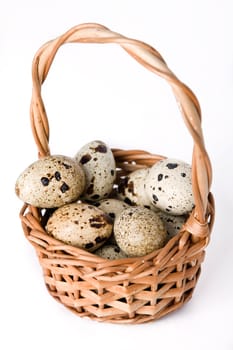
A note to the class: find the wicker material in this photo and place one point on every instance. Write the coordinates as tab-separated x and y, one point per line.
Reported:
129	290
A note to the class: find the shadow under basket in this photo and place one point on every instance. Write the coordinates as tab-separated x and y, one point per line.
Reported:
129	290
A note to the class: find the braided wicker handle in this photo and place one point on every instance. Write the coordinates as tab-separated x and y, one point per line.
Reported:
151	59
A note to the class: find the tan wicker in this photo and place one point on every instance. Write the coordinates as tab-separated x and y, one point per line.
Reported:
132	290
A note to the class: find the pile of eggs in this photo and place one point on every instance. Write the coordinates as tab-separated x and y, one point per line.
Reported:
132	218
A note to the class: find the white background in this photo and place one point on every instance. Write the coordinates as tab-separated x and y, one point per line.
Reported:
99	92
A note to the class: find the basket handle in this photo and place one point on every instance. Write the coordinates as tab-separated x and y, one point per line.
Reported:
198	223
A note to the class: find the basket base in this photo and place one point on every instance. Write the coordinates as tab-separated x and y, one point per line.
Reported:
107	314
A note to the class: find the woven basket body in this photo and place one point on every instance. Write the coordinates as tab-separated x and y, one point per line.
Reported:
132	290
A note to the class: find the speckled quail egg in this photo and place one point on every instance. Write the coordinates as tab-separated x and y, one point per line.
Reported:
51	182
112	206
169	186
100	168
111	252
139	231
131	188
81	225
172	223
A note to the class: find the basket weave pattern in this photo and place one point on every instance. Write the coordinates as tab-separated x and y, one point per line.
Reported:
132	290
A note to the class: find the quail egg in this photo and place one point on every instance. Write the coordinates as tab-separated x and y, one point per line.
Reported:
139	231
51	182
169	186
111	252
100	169
112	206
172	223
80	225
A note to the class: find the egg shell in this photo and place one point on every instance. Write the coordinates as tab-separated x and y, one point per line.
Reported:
172	223
131	188
51	182
110	252
139	231
112	206
81	225
100	168
169	186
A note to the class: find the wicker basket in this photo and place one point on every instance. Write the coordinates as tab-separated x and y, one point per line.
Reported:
132	290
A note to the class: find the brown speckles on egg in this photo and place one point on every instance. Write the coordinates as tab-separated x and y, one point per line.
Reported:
128	201
171	165
57	175
117	249
100	239
89	245
17	191
85	158
67	166
64	187
160	177
45	181
101	148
